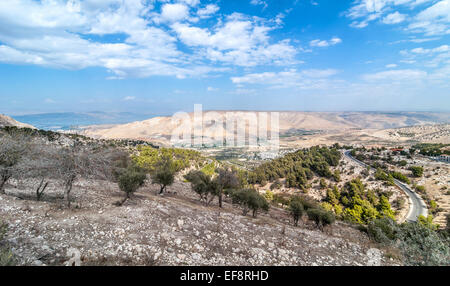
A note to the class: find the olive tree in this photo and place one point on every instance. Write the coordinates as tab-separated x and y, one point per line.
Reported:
249	200
296	209
130	181
163	173
321	217
203	185
227	179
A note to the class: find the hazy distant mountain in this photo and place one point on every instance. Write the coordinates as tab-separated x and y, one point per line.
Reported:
160	128
72	120
8	121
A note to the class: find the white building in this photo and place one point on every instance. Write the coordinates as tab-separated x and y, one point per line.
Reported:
443	158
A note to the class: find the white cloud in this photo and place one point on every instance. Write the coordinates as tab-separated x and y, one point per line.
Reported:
63	34
429	57
305	79
192	3
208	11
443	48
325	43
394	18
428	19
423	40
174	12
129	98
13	56
391	66
435	20
396	75
259	2
239	40
56	34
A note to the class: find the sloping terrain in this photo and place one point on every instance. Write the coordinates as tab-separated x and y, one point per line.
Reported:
175	229
439	133
8	121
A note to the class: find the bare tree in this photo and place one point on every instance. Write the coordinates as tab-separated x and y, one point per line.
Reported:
41	164
83	162
27	157
12	149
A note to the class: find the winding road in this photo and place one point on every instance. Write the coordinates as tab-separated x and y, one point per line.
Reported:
417	205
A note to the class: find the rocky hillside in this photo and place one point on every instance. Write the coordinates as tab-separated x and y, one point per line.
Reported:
8	121
175	229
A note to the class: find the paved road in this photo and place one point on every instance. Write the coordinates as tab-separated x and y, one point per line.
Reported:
417	205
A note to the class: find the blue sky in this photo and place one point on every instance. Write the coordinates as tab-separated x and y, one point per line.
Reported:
163	56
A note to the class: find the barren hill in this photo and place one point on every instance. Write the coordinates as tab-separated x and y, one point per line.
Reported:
8	121
161	128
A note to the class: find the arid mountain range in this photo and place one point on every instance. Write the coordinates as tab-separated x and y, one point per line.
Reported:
308	127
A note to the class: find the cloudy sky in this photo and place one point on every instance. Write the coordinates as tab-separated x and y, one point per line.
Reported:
162	56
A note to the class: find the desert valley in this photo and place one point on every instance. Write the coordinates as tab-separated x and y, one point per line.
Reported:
246	134
179	227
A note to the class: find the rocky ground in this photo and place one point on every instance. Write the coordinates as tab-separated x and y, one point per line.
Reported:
436	181
174	229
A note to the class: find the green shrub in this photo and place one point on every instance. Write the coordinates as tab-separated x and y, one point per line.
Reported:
333	196
400	203
249	200
421	246
382	176
6	256
269	195
307	202
163	172
402	163
384	208
276	185
149	157
321	217
383	230
399	176
337	176
131	180
203	185
433	206
322	183
209	169
416	171
279	199
296	209
427	222
421	189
